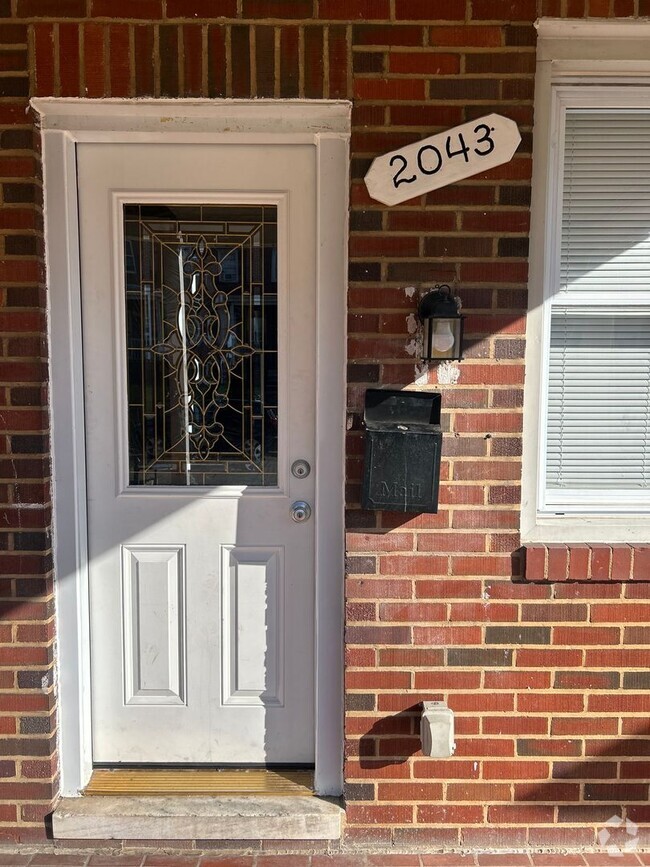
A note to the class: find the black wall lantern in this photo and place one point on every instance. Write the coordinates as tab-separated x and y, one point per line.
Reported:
439	312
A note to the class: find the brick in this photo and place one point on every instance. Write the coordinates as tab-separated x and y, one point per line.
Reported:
448	814
378	634
585	680
479	657
444	680
314	65
339	61
374	588
584	814
409	791
421	10
562	837
550	703
423	63
554	612
145	9
515	770
169	50
383	814
411	612
481	702
494	62
636	680
143	60
417	564
464	36
515	725
588	590
550	747
619	703
201	9
120	69
192	82
557	562
619	792
44	50
277	9
51	8
585	770
378	680
600	562
94	67
537	658
616	658
265	61
241	72
520	814
389	89
13	61
387	34
641	566
434	838
504	10
517	635
547	792
27	791
351	10
488	793
623	613
479	470
444	542
627	747
416	657
582	635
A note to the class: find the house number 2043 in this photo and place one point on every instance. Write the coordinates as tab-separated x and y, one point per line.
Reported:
442	159
430	160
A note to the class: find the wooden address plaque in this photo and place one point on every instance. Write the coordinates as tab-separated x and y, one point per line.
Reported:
442	159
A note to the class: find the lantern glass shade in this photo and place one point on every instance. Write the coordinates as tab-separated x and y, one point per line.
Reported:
442	326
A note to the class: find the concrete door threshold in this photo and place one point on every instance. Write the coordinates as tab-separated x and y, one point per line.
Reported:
197	818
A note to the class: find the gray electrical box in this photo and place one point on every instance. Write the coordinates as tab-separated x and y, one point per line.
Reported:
402	455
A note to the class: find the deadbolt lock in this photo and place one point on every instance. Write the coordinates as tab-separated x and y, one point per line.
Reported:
300	469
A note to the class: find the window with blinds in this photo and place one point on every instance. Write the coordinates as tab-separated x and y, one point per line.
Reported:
597	444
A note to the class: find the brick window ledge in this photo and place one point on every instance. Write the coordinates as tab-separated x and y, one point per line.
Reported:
579	561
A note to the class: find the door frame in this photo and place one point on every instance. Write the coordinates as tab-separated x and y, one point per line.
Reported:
325	124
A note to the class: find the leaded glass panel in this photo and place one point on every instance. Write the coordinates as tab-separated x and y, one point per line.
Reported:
201	322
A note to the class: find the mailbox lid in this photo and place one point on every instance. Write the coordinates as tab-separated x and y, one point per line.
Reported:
386	408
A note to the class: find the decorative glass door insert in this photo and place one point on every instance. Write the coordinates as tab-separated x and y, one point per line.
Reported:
201	323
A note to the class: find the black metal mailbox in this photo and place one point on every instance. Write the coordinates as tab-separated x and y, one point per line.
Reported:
403	443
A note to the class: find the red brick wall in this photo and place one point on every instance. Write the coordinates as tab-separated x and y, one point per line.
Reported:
547	680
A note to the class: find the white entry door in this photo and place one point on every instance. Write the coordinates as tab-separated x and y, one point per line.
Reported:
198	297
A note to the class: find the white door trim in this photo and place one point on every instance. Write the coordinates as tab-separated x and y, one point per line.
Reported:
64	122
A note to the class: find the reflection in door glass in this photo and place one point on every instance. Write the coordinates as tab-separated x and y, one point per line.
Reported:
201	321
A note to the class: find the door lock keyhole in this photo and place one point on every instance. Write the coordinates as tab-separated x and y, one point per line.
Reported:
300	469
300	511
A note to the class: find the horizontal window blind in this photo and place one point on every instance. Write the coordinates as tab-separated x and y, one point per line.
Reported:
605	230
598	420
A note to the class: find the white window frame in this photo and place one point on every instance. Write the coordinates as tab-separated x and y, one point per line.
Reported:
599	64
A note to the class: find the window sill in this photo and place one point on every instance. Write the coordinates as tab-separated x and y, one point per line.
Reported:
583	562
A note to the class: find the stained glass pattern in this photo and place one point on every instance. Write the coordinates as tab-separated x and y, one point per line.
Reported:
201	320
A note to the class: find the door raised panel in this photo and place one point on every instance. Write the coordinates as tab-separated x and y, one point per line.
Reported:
252	606
153	580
